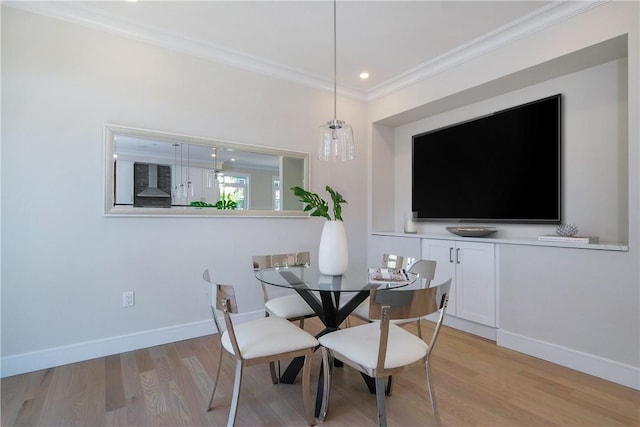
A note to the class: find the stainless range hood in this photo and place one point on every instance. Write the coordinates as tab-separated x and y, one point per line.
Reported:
152	190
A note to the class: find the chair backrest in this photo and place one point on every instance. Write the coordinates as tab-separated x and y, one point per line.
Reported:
281	260
207	277
226	299
407	304
226	302
215	305
397	261
387	304
425	269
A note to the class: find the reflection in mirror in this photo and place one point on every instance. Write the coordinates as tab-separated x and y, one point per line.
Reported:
157	173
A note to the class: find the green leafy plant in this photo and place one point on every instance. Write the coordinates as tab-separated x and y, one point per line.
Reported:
317	205
226	202
200	204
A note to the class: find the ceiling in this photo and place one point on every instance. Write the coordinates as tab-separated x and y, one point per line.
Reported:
396	42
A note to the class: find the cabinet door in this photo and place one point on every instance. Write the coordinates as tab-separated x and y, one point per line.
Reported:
178	181
443	252
475	282
197	187
124	182
210	187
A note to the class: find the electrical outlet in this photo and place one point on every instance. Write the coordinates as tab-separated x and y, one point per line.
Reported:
128	299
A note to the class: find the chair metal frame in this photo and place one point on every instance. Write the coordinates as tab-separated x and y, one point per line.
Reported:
424	269
283	260
227	304
388	261
397	261
387	305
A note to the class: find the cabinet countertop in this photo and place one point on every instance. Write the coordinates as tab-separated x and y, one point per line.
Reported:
529	241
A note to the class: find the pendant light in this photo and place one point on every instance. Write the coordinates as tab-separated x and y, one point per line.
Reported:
336	136
189	184
215	176
177	189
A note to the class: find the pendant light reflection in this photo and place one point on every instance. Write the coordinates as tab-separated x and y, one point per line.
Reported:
215	176
183	188
336	137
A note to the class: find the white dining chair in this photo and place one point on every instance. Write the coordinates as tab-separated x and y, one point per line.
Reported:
381	349
388	261
424	269
259	341
290	306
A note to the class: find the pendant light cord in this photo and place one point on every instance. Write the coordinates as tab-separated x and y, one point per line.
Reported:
335	65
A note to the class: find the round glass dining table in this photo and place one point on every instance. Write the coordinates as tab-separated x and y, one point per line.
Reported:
332	298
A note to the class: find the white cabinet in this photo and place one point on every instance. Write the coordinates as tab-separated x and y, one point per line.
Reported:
208	188
195	179
471	265
197	185
124	182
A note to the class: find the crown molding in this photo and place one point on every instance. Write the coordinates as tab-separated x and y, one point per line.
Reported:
531	23
86	15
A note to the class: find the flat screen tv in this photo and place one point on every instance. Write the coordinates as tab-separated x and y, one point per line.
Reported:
502	167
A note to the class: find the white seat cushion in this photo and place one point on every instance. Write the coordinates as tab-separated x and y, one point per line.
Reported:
360	344
268	336
288	306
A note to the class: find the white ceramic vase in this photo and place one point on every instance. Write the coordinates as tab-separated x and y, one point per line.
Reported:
333	254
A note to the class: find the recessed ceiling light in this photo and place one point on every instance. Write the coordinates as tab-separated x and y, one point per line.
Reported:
364	76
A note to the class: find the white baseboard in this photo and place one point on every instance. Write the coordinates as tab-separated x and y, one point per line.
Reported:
483	331
474	328
609	370
58	356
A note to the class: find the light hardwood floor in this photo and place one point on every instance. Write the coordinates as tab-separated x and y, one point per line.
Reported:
476	384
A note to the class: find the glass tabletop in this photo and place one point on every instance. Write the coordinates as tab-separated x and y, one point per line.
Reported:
357	278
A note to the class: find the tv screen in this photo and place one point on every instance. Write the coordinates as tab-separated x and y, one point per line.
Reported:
503	167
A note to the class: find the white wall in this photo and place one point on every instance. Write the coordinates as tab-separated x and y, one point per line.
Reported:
65	265
579	308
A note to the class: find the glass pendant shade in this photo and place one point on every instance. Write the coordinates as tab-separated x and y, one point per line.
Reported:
336	142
